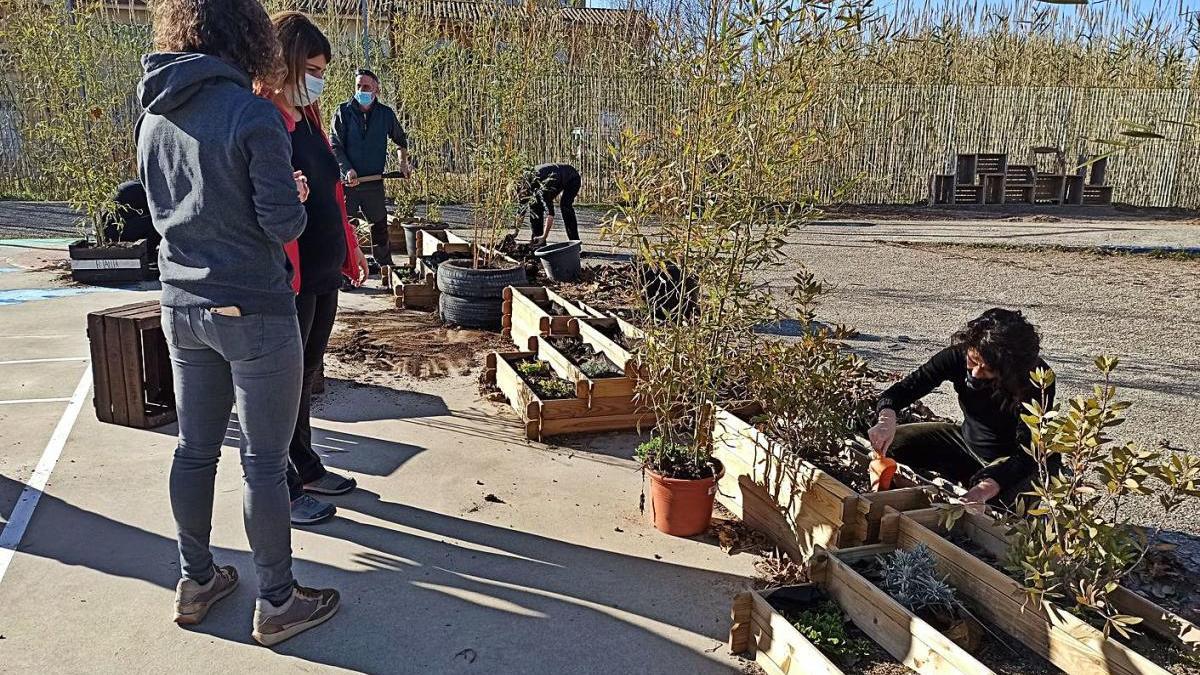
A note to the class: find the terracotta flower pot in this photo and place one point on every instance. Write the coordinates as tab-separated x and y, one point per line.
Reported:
683	508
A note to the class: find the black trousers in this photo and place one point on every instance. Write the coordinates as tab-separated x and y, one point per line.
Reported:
566	206
369	202
316	314
936	447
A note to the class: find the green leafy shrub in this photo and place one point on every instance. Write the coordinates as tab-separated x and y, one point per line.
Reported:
1071	538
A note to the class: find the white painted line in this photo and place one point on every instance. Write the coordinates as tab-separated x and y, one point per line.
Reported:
21	514
16	401
69	358
29	337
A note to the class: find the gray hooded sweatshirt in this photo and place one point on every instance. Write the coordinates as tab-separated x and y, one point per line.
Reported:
216	161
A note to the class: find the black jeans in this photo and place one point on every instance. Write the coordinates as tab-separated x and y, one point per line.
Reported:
316	314
936	447
369	202
566	205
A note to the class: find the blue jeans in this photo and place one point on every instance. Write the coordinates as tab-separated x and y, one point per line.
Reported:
257	362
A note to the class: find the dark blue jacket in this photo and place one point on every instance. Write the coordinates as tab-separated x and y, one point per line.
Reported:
360	137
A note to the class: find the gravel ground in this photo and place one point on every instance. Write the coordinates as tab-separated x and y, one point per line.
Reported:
907	299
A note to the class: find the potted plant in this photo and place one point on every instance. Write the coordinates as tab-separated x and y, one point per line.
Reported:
707	205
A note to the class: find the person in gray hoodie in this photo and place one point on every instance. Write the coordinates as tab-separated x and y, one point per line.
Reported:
216	163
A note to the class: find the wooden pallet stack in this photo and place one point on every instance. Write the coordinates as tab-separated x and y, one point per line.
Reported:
990	179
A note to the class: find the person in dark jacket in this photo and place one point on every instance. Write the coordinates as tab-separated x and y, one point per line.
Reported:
328	249
130	219
988	362
360	131
216	163
537	189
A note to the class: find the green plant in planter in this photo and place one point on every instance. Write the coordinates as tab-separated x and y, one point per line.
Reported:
813	389
708	202
825	627
911	578
1071	537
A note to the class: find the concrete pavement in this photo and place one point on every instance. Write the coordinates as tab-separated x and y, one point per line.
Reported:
562	575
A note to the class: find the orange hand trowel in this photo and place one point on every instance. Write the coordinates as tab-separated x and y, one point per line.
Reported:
883	469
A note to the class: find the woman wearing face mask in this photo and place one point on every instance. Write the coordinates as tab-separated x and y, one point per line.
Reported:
328	248
988	362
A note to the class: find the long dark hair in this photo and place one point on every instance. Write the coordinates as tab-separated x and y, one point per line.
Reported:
238	31
300	40
1009	345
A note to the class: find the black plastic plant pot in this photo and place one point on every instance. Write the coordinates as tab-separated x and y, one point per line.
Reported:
120	262
561	260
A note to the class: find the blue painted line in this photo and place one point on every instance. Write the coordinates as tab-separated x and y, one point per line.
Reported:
22	295
41	244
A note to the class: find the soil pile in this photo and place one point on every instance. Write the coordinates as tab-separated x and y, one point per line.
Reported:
409	343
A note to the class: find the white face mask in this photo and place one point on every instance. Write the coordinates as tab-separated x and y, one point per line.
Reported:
313	88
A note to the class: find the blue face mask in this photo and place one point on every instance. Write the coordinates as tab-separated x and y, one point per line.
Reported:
313	87
364	98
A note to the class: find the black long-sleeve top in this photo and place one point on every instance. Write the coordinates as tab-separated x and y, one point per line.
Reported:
544	183
992	428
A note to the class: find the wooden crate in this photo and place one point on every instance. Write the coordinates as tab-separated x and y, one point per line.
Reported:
941	188
421	295
131	367
797	505
1097	195
565	416
992	537
1056	635
525	314
781	650
968	194
994	185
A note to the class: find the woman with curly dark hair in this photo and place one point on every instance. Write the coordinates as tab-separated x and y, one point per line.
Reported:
988	362
216	162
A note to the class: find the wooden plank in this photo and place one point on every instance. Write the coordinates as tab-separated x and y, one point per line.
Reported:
509	382
159	378
97	343
114	357
871	507
561	409
601	343
591	424
132	371
563	366
739	623
1054	634
909	639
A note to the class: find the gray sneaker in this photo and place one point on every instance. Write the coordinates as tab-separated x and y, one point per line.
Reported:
308	607
193	600
307	510
331	484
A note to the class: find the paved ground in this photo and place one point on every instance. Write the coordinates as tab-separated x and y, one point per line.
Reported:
564	576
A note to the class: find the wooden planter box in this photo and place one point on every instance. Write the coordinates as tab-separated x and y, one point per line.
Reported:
131	367
589	330
525	315
422	295
781	650
562	416
799	507
587	388
91	264
440	241
1056	635
992	537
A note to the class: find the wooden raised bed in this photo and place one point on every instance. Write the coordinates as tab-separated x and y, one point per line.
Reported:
1053	633
560	416
420	295
525	314
992	537
781	650
587	388
590	331
113	263
440	241
799	507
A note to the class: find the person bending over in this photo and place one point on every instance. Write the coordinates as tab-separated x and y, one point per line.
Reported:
988	362
537	189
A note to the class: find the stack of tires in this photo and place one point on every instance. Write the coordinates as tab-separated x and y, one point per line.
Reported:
474	298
